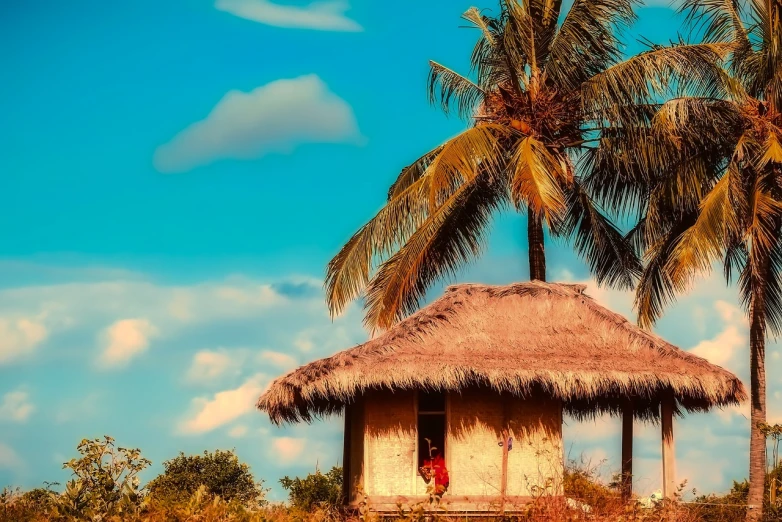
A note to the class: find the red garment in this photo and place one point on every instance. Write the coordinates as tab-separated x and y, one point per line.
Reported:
439	472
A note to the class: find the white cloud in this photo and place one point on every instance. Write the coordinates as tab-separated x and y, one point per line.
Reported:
232	295
67	304
303	342
287	449
209	365
600	428
124	340
224	407
283	308
730	414
728	347
273	118
16	406
237	432
721	348
9	459
280	360
19	337
774	408
328	15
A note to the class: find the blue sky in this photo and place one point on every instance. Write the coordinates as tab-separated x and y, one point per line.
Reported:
175	177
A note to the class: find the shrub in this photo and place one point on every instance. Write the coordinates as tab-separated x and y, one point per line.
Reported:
106	481
315	490
220	472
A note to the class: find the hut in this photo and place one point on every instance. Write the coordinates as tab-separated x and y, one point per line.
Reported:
487	372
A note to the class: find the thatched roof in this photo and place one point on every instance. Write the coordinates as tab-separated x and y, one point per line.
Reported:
522	339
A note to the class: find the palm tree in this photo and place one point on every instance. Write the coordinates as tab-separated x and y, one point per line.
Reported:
710	181
538	98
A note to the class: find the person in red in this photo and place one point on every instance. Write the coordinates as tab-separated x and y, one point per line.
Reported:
435	468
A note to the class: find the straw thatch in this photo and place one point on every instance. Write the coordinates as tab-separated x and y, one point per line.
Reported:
522	339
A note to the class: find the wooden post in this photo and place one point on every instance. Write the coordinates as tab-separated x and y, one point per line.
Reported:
627	451
346	475
669	453
505	434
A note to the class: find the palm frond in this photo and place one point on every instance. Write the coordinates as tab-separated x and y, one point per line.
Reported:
636	237
689	118
488	60
538	180
765	212
446	85
542	17
619	172
760	285
587	42
736	257
449	238
706	240
772	151
773	290
478	149
474	16
682	68
721	20
348	273
419	190
518	46
655	290
413	172
610	255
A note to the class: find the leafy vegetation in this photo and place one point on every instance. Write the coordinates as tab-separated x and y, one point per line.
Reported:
106	486
219	472
105	482
216	487
315	490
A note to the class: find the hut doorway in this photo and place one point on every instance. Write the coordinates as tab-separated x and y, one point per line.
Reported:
431	424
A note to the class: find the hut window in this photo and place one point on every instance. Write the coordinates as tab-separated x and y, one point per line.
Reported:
431	424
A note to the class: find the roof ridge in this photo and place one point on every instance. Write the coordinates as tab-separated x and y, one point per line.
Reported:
576	288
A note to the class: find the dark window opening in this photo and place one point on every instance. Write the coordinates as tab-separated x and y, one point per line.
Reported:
431	402
431	425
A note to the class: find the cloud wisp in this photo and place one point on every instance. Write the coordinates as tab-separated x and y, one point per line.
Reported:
19	337
224	407
9	458
275	118
210	365
320	16
16	407
124	340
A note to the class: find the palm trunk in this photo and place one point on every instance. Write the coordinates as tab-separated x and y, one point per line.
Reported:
537	255
757	365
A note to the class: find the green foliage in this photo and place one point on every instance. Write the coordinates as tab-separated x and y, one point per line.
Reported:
716	508
315	490
220	472
44	499
582	484
731	506
105	481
